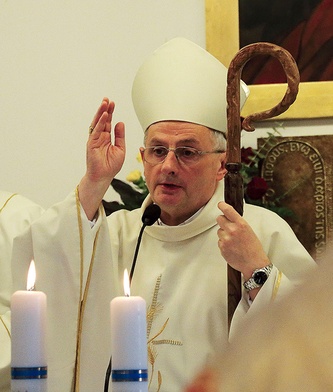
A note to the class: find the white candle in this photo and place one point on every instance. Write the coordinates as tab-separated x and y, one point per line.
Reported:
129	342
28	328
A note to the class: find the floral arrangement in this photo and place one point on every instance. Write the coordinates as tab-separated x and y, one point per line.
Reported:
255	187
131	196
132	193
135	190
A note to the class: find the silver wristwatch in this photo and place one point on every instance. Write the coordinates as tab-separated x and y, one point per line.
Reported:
258	278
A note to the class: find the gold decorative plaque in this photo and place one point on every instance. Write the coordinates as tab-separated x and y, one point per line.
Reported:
298	171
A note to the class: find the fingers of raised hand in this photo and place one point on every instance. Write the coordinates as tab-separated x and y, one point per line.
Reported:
100	126
110	110
101	119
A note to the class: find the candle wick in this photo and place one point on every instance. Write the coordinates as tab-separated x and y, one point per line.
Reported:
32	288
127	295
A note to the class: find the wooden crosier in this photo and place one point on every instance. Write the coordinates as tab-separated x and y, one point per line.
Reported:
233	179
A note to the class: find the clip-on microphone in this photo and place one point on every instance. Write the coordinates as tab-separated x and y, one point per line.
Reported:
149	217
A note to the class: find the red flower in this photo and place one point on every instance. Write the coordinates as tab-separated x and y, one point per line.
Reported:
246	153
256	188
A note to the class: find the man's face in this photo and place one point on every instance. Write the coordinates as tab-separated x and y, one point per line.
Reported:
179	189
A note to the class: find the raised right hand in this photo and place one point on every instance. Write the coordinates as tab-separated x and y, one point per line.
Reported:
104	158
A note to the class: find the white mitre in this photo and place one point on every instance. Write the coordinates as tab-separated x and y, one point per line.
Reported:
181	81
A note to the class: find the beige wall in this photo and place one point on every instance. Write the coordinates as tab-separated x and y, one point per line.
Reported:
59	58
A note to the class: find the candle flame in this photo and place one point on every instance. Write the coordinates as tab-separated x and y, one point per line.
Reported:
127	290
31	276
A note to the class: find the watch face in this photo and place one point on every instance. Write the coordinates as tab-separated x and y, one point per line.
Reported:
260	277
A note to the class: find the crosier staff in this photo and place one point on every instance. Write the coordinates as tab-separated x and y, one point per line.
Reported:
233	179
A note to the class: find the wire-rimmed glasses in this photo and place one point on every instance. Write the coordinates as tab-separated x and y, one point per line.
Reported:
186	155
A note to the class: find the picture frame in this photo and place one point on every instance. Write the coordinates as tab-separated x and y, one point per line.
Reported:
314	100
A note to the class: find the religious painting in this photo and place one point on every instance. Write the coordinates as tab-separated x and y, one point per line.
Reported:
303	27
299	173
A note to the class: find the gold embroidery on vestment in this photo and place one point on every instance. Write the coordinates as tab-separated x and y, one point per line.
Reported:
277	285
83	299
153	310
5	326
10	197
4	205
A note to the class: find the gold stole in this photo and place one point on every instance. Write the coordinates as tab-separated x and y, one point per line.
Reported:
83	299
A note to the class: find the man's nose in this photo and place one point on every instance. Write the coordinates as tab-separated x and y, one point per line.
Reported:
170	162
171	154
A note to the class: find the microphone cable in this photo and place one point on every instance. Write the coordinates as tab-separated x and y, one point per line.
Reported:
149	217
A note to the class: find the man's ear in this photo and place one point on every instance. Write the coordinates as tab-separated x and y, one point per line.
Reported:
222	170
143	161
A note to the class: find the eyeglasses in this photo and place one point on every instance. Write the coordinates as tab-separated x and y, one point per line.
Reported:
186	155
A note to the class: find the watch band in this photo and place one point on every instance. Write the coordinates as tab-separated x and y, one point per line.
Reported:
258	278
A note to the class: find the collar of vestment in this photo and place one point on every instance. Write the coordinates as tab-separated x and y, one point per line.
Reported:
190	219
204	220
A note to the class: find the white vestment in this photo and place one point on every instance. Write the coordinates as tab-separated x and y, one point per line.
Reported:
16	214
179	272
